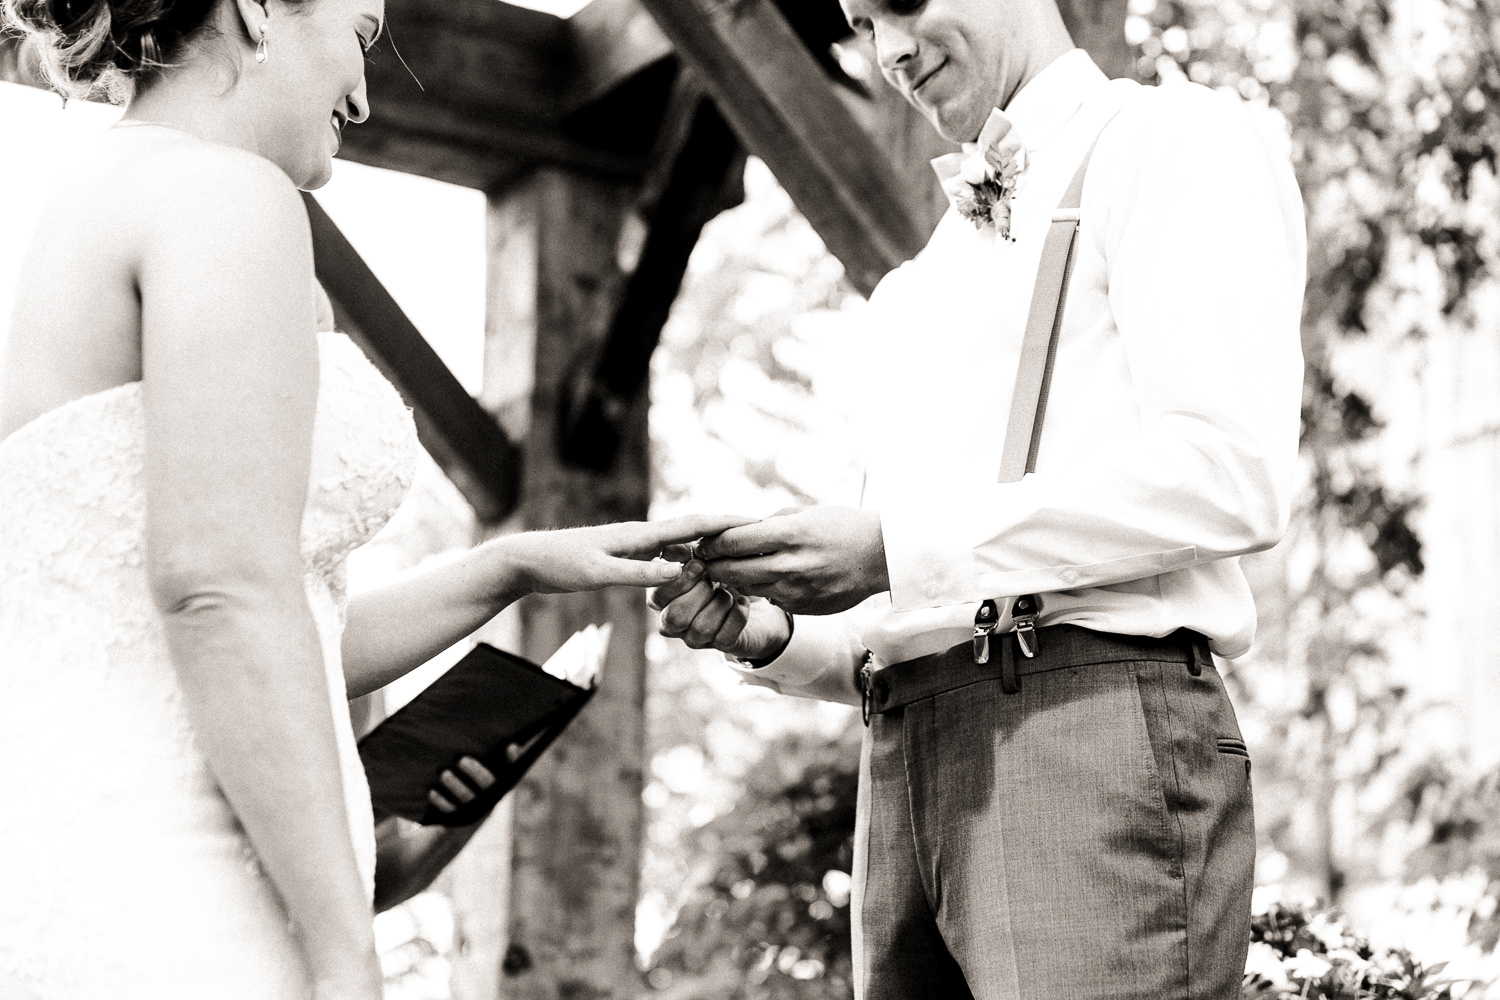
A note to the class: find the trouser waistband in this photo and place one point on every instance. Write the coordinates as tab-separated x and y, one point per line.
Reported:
1058	647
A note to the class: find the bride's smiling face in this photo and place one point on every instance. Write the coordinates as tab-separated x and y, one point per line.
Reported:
312	80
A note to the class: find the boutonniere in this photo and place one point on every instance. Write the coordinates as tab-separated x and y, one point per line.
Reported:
981	181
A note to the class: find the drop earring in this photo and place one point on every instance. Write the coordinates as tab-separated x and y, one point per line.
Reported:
260	48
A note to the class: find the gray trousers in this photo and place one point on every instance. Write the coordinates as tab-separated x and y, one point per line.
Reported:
1087	836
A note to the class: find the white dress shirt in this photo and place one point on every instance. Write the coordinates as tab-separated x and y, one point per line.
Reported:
1170	441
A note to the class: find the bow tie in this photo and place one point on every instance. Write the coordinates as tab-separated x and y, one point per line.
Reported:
981	181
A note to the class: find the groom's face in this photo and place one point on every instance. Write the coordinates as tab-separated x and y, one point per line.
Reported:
953	59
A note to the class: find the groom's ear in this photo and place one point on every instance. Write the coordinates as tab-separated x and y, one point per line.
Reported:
248	17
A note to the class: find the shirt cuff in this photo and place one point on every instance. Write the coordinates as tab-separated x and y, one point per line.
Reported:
929	559
819	662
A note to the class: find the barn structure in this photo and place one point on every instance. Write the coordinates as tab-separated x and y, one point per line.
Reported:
603	143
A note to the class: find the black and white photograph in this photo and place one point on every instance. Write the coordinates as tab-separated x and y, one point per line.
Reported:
749	500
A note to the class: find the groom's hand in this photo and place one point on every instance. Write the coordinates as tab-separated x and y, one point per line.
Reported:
812	561
705	616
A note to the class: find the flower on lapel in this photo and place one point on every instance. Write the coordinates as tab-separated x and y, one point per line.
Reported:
981	181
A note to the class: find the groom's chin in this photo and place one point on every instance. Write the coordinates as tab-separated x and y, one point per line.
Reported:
956	125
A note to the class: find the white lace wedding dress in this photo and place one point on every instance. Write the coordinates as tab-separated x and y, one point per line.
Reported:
123	872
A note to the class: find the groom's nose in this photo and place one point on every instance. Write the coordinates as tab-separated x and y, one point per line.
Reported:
895	47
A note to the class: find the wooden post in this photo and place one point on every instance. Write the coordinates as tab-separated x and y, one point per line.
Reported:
478	881
698	174
572	877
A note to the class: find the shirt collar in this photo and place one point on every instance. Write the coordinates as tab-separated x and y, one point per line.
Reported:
1040	109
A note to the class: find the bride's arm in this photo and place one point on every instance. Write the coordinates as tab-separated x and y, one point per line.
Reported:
397	628
230	381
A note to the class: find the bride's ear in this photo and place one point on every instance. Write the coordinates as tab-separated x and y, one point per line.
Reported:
250	17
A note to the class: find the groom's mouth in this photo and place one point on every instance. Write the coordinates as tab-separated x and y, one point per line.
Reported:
926	77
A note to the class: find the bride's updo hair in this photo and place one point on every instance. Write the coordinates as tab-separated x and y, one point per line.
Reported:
107	46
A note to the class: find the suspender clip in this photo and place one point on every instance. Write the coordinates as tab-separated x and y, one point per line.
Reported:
1024	613
986	619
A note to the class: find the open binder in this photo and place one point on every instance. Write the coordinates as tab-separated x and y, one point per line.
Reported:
486	704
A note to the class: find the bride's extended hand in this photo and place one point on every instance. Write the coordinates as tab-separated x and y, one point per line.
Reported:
397	628
608	555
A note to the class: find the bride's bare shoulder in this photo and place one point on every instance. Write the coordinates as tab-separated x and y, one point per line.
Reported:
174	181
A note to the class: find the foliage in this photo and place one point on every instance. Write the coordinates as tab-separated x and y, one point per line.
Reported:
1459	820
735	408
1298	952
771	920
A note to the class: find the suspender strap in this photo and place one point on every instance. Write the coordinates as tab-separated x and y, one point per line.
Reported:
1023	432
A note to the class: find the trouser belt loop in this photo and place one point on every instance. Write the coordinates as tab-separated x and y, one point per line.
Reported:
1201	656
1010	681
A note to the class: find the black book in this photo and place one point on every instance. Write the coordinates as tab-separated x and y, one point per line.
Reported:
492	706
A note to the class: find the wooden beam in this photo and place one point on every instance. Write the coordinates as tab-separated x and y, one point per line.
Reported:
465	440
430	136
628	118
482	87
482	55
612	40
477	92
772	91
701	171
477	166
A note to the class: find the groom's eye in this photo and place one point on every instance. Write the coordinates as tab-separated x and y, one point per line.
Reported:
905	8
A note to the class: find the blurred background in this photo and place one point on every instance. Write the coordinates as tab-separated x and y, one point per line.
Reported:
1370	703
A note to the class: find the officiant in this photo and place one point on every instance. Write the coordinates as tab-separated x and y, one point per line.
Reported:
1054	793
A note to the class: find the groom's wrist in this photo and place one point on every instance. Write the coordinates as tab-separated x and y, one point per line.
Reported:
776	648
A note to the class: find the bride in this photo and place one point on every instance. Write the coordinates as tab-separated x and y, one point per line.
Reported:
186	458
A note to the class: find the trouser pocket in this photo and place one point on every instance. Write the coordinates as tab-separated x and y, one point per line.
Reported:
1230	747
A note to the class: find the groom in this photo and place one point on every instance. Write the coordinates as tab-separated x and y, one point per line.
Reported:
1054	793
